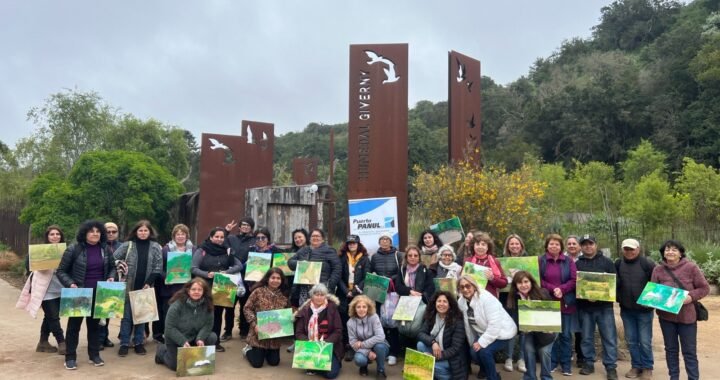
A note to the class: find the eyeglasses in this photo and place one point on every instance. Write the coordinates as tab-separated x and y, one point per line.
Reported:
316	236
261	237
244	225
466	286
111	232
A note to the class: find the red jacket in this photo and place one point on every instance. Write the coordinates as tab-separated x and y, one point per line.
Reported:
334	324
692	279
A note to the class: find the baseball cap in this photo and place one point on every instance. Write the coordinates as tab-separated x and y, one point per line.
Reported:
586	238
352	239
631	243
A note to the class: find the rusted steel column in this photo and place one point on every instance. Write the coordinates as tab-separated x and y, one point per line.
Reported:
464	107
304	170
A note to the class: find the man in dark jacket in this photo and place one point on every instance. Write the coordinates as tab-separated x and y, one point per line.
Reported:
240	244
600	313
634	271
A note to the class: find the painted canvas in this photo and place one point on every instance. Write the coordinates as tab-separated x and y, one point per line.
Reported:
376	287
418	365
448	284
596	286
541	316
275	323
224	289
662	297
76	302
143	305
312	355
257	265
178	267
280	260
406	308
109	299
308	272
511	265
449	231
195	361
477	272
45	256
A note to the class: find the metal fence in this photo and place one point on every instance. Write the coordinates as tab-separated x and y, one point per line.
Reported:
13	233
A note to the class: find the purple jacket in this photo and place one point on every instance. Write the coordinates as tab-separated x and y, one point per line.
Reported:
552	278
693	280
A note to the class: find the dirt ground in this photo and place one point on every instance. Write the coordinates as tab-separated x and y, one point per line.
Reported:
19	334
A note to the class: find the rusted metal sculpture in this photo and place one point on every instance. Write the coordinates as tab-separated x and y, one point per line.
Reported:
304	170
377	126
464	108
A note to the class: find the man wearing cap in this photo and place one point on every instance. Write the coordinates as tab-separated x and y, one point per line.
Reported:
596	313
240	244
633	272
113	242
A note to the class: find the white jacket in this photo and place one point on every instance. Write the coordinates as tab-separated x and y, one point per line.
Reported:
490	318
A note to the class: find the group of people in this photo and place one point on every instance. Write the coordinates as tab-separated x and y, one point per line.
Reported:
458	328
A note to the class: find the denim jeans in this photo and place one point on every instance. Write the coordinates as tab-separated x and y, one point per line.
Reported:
561	349
381	350
605	321
511	346
486	357
530	353
126	327
675	336
442	367
638	325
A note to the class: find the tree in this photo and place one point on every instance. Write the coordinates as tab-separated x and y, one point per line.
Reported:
652	202
118	185
701	185
630	24
642	161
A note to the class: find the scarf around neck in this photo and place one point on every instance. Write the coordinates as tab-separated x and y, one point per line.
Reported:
213	249
313	330
410	274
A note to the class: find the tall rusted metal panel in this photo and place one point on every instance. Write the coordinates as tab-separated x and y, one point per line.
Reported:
464	107
304	170
378	126
228	166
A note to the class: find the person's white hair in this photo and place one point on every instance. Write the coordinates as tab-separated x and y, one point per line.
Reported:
318	289
447	248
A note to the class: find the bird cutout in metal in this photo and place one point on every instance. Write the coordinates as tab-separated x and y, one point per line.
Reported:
390	74
229	159
461	71
471	122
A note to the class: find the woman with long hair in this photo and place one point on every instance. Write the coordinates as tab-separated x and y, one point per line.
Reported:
514	247
415	279
189	322
367	338
355	263
300	239
386	262
270	293
318	251
140	259
484	254
180	242
429	244
318	319
443	336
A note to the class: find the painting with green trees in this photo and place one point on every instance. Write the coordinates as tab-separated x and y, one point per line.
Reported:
308	272
477	272
539	315
663	297
418	365
511	265
224	289
109	299
45	256
280	260
406	308
257	265
275	323
596	286
449	231
315	355
178	267
76	302
447	284
376	287
195	361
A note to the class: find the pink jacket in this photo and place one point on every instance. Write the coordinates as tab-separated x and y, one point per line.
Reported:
693	280
39	283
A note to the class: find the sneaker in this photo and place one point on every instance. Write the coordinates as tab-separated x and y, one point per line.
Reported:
567	373
225	337
310	373
633	373
246	349
363	371
646	374
392	360
349	354
508	365
123	351
291	348
140	349
97	361
580	363
159	339
219	348
108	343
587	369
612	374
521	366
71	364
380	375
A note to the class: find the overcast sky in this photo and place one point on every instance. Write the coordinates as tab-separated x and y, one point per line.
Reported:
207	65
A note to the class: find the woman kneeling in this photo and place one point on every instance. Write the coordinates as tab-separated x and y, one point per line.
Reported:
443	336
366	336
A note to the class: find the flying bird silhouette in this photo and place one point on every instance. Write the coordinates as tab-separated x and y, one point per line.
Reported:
389	71
217	144
461	71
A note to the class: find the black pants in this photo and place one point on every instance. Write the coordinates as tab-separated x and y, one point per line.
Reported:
218	319
168	351
257	356
393	337
158	327
51	320
230	314
73	334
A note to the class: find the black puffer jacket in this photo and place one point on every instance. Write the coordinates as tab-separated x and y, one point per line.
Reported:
240	245
386	263
423	283
73	265
330	274
456	347
361	268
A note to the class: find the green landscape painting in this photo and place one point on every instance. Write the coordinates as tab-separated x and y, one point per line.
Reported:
257	265
109	299
143	305
178	267
195	361
76	302
308	272
541	316
275	323
312	355
224	290
511	265
596	286
418	365
477	272
662	297
449	231
45	256
376	287
280	260
406	308
448	284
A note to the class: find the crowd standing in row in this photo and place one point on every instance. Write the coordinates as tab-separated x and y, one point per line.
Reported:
457	331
